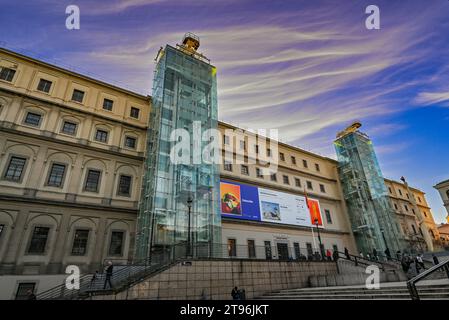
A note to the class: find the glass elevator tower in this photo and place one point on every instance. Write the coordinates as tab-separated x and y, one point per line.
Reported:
372	218
180	201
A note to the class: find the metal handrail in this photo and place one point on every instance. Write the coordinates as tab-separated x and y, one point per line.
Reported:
411	284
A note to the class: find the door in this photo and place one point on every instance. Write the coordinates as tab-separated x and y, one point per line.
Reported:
282	251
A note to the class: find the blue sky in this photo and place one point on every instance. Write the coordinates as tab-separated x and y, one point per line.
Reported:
307	68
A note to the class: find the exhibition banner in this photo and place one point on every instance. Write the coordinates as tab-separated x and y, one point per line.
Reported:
258	204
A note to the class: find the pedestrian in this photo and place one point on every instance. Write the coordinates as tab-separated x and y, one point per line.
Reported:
235	293
335	255
347	254
361	255
108	278
375	254
31	295
387	253
435	259
398	255
368	256
328	255
420	261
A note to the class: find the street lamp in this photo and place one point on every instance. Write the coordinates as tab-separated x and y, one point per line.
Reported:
319	238
189	204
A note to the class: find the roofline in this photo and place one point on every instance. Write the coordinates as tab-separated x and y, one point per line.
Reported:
76	74
285	144
441	183
410	187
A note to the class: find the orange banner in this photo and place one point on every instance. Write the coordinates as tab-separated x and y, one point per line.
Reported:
315	212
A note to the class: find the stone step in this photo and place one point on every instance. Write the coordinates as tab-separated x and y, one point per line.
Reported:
362	289
387	296
360	292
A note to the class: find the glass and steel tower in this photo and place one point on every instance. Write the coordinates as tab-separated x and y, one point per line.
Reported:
179	203
372	217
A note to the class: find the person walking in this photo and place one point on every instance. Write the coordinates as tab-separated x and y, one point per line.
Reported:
388	253
94	278
420	261
375	254
347	254
335	255
328	255
108	278
31	295
435	259
235	293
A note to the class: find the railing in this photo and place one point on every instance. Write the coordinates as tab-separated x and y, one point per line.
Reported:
411	284
125	273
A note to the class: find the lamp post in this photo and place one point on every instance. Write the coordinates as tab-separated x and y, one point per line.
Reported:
189	204
319	237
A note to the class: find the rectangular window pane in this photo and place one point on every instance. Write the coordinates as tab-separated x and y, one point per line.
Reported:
304	163
328	216
322	189
33	119
38	240
92	180
23	289
130	142
309	249
245	170
107	104
134	112
228	166
7	74
124	187
251	249
273	177
281	156
78	95
56	177
259	173
297	250
293	160
101	136
44	85
69	128
285	179
226	139
309	185
15	169
317	167
297	182
79	247
116	245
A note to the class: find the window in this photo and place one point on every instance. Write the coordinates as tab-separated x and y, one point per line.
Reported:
273	177
227	166
406	208
268	152
256	148
413	210
293	159
69	128
242	144
305	164
38	240
389	189
322	188
419	199
309	249
226	139
80	240
259	173
134	113
281	156
268	253
297	250
400	192
33	119
56	176
425	215
124	185
7	74
44	85
107	104
328	216
285	179
78	96
232	248
101	135
297	182
317	167
414	229
130	142
245	170
396	206
92	180
15	169
251	249
23	289
309	185
116	245
408	197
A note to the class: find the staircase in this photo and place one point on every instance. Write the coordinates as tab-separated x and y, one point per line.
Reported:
428	290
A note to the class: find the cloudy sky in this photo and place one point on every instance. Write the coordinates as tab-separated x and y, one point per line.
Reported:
307	68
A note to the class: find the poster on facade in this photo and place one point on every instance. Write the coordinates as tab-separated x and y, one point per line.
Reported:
259	204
